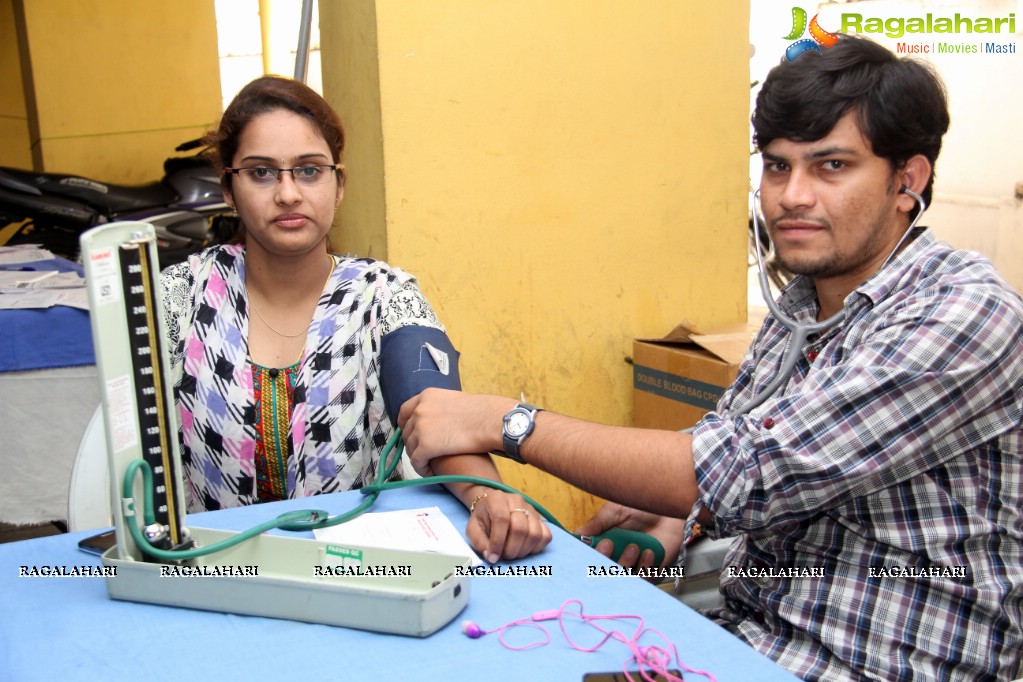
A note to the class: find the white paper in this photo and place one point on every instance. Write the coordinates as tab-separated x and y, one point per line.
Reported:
423	530
42	289
20	299
40	279
439	357
23	253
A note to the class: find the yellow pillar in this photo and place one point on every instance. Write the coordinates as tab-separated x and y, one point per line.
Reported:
278	25
266	34
15	150
112	86
561	176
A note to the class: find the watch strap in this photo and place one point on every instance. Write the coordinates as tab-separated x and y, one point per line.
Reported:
513	443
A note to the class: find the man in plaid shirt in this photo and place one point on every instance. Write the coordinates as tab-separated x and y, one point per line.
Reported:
876	499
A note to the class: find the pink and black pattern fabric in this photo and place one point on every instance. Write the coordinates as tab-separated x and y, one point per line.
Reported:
339	425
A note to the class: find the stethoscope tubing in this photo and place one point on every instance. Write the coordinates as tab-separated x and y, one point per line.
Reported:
800	332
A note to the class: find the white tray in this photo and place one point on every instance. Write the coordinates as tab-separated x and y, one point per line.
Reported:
278	578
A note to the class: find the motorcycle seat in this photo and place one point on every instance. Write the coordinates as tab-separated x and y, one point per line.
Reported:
109	198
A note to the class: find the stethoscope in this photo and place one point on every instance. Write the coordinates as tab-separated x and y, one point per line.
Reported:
801	332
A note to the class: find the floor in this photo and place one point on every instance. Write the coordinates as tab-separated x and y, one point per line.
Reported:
10	533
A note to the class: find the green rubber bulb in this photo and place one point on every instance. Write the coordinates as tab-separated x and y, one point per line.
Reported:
622	538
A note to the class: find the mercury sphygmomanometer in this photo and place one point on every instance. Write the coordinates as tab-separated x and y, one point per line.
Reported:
140	421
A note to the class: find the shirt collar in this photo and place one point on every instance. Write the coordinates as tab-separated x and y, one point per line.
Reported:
799	298
885	280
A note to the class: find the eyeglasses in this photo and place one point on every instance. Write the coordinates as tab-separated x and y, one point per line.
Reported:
307	176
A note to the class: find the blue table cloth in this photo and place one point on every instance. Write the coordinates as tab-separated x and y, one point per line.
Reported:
45	338
69	629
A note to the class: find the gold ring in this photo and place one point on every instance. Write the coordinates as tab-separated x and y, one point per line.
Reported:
524	511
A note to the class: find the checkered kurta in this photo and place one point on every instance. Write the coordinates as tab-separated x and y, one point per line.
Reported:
339	425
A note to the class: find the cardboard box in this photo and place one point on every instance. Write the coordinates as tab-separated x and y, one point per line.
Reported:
680	377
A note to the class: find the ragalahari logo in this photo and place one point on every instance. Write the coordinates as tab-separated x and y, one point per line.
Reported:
818	36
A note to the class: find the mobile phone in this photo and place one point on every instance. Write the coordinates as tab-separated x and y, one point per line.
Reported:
97	544
620	676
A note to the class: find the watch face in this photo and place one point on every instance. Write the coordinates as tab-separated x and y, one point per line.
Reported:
518	424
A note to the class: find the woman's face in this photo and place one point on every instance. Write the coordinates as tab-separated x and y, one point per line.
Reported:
285	216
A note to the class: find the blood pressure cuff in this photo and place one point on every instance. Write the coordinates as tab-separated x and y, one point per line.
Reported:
413	358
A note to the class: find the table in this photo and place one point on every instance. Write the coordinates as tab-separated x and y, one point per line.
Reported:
49	388
49	337
68	628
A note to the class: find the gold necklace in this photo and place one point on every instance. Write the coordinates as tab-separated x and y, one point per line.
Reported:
333	264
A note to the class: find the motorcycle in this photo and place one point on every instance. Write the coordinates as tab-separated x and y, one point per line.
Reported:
186	207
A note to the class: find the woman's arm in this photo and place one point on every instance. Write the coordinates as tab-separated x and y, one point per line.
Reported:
501	525
417	354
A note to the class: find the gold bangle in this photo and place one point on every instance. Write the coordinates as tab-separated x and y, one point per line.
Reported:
472	507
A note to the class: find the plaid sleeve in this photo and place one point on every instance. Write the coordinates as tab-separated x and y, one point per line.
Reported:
895	394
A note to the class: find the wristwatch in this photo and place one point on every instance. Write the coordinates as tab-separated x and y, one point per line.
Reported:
518	424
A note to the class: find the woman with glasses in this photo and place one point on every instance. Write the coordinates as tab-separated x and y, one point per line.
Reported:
290	362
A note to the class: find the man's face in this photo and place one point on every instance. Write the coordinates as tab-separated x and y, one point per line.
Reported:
830	205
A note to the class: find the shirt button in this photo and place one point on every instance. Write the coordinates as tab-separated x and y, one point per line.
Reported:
768	423
812	355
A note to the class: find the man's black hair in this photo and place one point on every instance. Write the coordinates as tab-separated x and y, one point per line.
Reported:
899	103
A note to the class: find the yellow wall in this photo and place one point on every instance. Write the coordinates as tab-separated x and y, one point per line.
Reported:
14	150
352	84
562	176
115	85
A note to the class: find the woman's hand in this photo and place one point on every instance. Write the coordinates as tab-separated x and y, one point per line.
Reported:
504	526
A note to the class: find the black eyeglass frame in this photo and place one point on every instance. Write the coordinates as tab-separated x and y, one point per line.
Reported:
276	172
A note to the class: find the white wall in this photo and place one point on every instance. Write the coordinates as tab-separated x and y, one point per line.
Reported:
239	33
975	203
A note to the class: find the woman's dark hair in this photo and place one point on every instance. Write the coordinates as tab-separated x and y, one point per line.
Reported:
261	96
899	103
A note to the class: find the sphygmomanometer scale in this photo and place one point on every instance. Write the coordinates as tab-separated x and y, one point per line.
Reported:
141	423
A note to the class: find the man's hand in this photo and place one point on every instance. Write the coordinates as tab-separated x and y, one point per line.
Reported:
504	526
668	531
439	422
